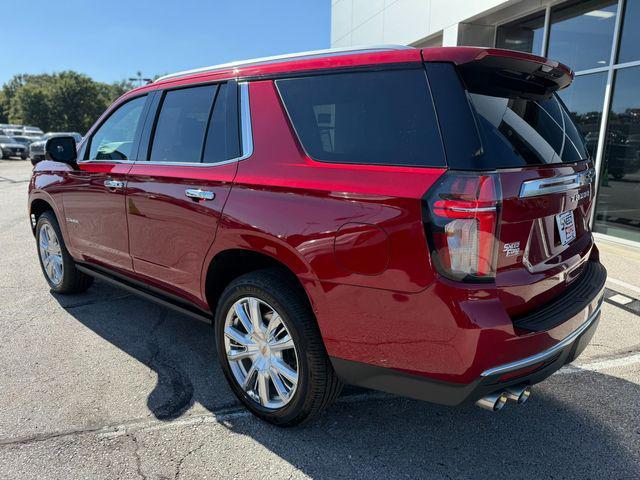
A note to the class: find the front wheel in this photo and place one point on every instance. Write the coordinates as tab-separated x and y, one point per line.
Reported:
271	351
57	264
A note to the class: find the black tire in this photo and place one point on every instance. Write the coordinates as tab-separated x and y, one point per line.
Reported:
318	386
73	280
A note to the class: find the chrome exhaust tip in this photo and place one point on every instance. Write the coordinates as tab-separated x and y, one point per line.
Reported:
493	402
518	393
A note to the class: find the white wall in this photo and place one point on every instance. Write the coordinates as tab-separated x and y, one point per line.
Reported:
360	22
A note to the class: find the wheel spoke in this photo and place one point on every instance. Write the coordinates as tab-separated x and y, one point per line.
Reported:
263	388
57	271
284	370
273	325
242	316
280	387
284	343
237	337
236	355
255	315
247	378
49	267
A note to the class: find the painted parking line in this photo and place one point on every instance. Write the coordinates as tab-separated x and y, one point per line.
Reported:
624	302
623	284
625	361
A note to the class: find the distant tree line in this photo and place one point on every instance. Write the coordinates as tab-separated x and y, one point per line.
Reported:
66	101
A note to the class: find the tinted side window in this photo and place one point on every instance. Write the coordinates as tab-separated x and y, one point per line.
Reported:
383	117
114	139
223	139
182	124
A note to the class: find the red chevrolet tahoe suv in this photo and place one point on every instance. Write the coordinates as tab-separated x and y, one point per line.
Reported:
413	221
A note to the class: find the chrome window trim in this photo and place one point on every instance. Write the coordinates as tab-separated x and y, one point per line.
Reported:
82	162
539	357
246	136
544	186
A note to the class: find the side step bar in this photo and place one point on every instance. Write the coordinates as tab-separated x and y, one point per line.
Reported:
148	294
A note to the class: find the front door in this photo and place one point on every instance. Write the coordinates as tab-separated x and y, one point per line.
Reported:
175	198
94	195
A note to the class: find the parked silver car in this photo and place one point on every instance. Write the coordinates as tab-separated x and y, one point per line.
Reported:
32	132
9	147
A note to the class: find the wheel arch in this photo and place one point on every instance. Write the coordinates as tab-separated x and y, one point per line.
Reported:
229	264
37	207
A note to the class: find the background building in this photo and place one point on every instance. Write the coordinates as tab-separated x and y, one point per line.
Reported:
599	39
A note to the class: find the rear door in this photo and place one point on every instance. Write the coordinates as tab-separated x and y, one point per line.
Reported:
494	121
176	192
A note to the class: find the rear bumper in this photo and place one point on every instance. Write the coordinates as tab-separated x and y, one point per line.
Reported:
534	368
448	348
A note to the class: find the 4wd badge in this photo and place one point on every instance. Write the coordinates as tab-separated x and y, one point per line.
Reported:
511	249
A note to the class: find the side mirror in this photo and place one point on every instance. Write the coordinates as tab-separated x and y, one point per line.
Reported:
62	149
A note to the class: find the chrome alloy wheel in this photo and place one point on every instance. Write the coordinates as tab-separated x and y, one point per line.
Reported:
50	253
261	352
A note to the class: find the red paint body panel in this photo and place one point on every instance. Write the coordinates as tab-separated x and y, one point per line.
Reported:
465	55
95	220
544	267
169	233
352	234
284	194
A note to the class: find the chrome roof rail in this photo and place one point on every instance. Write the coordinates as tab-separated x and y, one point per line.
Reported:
283	58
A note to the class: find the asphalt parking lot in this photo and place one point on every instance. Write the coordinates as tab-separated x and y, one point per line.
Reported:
106	385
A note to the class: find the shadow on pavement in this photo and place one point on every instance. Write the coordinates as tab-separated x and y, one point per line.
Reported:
559	434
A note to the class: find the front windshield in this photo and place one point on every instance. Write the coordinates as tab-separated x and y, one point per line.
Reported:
5	139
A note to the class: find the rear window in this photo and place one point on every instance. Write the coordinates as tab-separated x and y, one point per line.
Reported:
517	132
182	124
377	118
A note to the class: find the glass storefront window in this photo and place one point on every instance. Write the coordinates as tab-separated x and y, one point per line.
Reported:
581	34
630	39
584	99
618	206
524	35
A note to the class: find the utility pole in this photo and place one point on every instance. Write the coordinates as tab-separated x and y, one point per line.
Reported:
140	80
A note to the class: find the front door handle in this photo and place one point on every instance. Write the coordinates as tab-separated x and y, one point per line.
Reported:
198	194
114	184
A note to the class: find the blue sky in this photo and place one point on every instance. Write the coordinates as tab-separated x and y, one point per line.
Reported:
111	40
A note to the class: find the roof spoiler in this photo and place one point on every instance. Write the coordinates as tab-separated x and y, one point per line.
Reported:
504	73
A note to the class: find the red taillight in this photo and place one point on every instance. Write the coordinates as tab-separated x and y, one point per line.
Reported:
461	214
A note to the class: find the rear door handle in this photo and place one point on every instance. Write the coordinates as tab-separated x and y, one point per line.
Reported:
114	184
198	194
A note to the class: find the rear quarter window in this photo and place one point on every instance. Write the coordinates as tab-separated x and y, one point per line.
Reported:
373	118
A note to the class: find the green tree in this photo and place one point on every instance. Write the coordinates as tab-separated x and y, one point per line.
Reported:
65	101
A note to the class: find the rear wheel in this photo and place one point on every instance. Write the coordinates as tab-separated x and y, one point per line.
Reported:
271	350
57	264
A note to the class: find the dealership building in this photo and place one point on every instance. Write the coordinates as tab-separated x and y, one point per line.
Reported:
598	39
